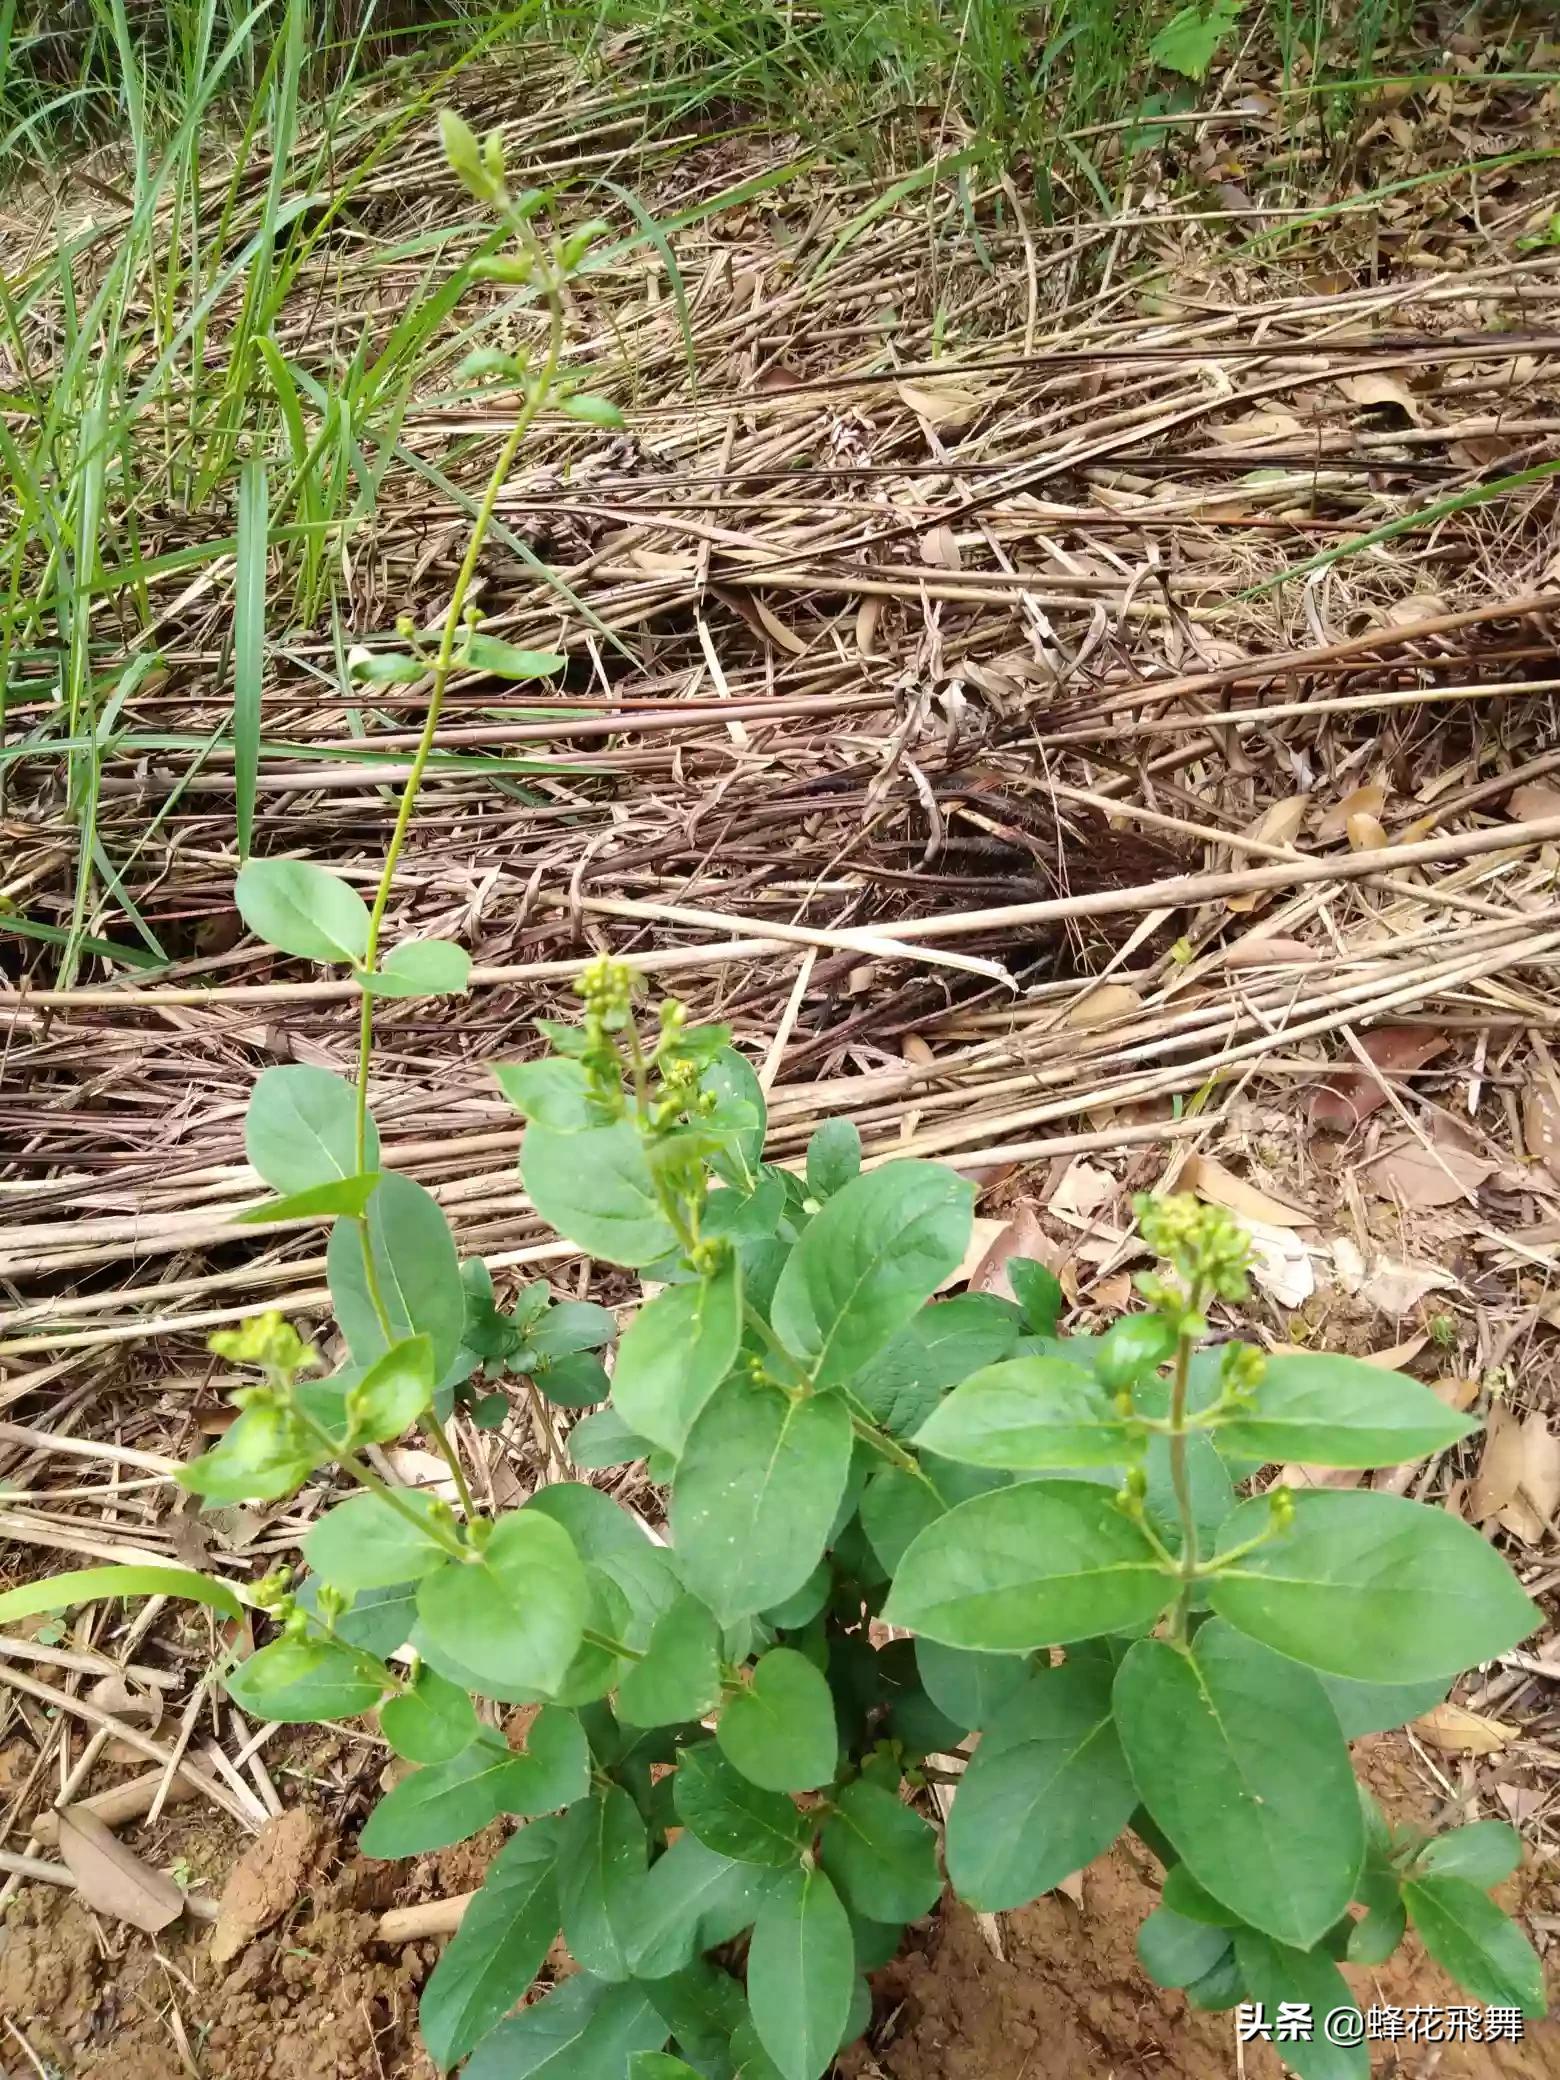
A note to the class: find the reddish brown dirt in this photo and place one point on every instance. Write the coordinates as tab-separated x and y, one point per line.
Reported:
315	1997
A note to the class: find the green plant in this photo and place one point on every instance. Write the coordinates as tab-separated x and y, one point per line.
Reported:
895	1521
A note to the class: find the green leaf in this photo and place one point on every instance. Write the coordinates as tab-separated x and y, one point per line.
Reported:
1276	1972
1377	1707
264	1456
608	1537
567	1328
1038	1292
702	2006
1174	1951
302	909
1237	1755
554	1092
300	1129
576	1381
1371	1586
516	1614
602	1857
379	1621
693	1900
449	1801
678	1680
801	1975
1048	1789
595	411
583	2030
881	1856
480	653
595	1188
1190	39
780	1730
865	1264
498	1948
346	1195
1486	1852
604	1439
420	968
757	1489
417	1270
1472	1940
1185	1896
61	1592
1031	1566
392	1394
942	1344
1132	1350
1375	1936
1027	1415
1335	1411
731	1815
366	1543
387	668
675	1353
433	1721
833	1158
740	1116
658	2065
970	1688
801	1607
300	1680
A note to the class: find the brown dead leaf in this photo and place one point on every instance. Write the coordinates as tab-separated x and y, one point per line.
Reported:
1211	1181
1500	1465
143	1708
1352	1095
112	1879
868	615
1255	952
1460	1394
1364	801
940	549
1297	1476
1365	833
1540	1465
1398	1356
1375	388
917	1051
759	618
1100	1006
1456	1730
1081	1190
1541	1125
1531	803
984	1235
1114	1293
1279	824
1437	1176
944	407
1389	1284
1022	1236
267	1879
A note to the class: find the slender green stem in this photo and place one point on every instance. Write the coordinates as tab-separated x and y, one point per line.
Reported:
609	1645
536	395
355	1470
451	1458
1180	1481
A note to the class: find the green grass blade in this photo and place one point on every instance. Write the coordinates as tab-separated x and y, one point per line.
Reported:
249	642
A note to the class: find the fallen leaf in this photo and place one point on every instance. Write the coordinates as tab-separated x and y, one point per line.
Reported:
1500	1465
983	1235
1419	1176
1279	824
868	615
1531	803
112	1879
125	1701
267	1879
1319	1477
1540	1465
1022	1236
916	1051
1114	1294
1100	1006
1352	1095
1364	801
1082	1189
1391	1286
759	618
1456	1730
1373	388
415	1468
1221	1187
1410	612
1253	952
940	549
944	407
1398	1356
1366	833
1541	1125
1460	1394
1281	1263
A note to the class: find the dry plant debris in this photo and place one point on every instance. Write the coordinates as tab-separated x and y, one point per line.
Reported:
1082	721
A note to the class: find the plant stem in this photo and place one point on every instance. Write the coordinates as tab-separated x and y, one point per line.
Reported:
1180	1481
536	395
365	1477
605	1641
451	1458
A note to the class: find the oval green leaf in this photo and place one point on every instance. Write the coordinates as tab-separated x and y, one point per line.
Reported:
302	909
675	1353
801	1975
515	1614
498	1949
300	1129
1328	1410
417	1270
1027	1415
595	1188
780	1730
